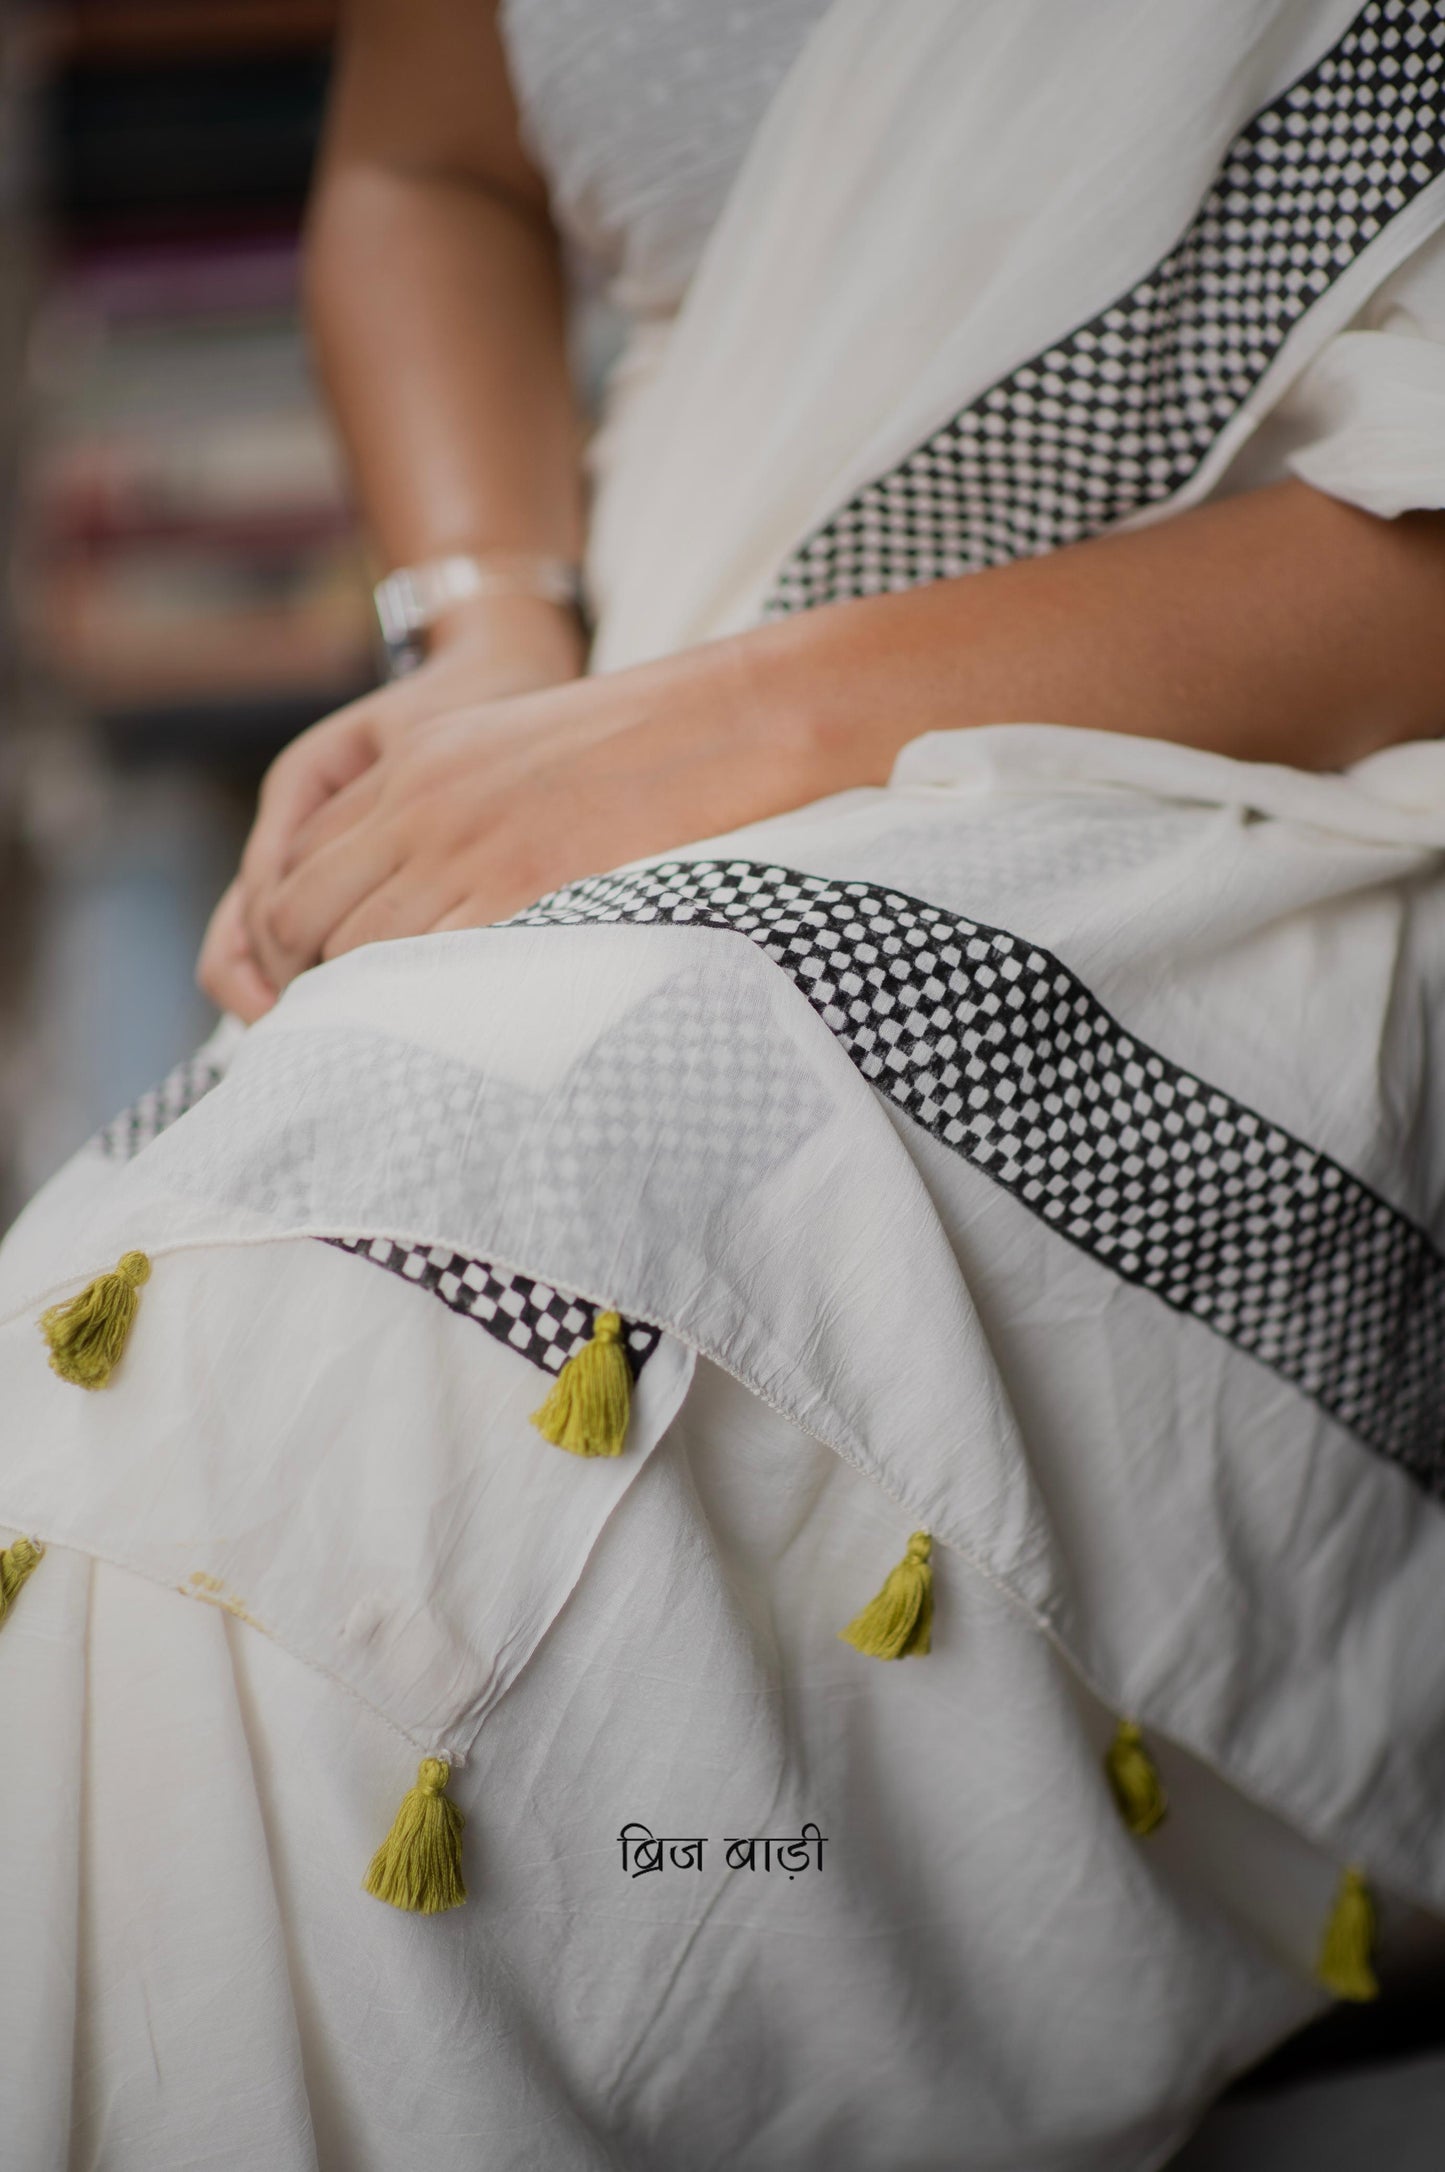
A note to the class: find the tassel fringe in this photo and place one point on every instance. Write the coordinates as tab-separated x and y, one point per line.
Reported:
1138	1789
419	1864
87	1333
898	1623
591	1399
17	1562
1345	1964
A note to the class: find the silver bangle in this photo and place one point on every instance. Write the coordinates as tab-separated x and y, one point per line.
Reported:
415	597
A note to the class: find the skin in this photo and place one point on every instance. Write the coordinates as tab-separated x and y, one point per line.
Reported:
1276	626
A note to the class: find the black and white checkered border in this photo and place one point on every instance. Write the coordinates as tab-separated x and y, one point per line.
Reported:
1123	411
1001	1053
125	1135
541	1324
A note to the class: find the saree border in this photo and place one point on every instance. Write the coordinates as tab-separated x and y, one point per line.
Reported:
1119	415
1001	1053
546	1326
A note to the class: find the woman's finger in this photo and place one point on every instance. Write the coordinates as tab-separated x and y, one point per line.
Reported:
243	990
469	914
289	924
341	812
413	902
321	762
226	970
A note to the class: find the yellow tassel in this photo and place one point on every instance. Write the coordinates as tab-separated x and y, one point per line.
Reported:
87	1333
591	1399
898	1623
1344	1963
16	1563
1138	1789
419	1864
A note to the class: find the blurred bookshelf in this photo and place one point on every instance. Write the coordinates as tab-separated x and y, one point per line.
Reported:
108	30
187	583
186	544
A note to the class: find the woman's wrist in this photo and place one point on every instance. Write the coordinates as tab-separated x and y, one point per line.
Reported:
529	639
810	689
1278	625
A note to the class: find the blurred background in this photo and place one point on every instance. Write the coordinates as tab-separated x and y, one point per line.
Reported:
184	584
183	587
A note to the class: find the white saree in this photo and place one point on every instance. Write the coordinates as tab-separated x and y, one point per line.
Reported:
1041	1153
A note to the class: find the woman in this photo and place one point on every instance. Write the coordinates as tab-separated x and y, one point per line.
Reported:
1012	1170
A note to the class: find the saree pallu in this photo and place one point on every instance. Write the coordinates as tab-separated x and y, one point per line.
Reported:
1038	1156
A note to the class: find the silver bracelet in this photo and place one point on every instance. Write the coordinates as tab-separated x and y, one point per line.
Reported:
415	597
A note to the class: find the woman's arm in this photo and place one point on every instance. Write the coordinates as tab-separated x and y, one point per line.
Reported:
1278	626
433	293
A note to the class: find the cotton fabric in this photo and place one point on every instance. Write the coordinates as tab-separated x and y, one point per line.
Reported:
639	113
241	2002
828	1109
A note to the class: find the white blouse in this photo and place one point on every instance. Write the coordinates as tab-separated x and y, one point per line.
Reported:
640	113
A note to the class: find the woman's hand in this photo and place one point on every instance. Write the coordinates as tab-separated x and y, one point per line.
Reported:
1275	626
500	648
489	808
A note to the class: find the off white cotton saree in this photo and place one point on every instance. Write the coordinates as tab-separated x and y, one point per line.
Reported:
1040	1154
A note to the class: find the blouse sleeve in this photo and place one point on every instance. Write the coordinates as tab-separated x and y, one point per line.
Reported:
1366	421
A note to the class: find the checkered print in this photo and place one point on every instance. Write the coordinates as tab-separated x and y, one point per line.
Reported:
669	1071
125	1135
1122	412
541	1324
1002	1054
